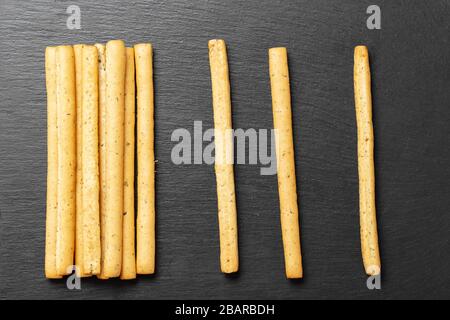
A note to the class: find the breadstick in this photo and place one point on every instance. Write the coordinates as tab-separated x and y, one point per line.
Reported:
287	189
102	146
128	256
145	263
229	256
66	104
368	219
90	182
79	246
115	104
52	165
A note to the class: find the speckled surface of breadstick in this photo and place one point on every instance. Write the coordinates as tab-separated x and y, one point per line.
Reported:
90	168
79	246
52	165
366	168
66	118
287	188
128	254
145	260
115	111
226	199
101	50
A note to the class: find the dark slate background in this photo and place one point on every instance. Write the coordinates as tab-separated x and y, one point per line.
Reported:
411	82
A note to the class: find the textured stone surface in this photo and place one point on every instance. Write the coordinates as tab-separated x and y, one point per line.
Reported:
410	65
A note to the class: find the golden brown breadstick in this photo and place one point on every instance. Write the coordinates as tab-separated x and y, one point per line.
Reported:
229	256
287	189
66	104
145	263
102	146
368	219
115	108
89	151
128	255
52	165
79	246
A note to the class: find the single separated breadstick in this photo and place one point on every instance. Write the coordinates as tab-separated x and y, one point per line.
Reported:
102	146
79	246
66	104
368	219
226	201
128	254
115	108
90	183
52	165
287	189
145	263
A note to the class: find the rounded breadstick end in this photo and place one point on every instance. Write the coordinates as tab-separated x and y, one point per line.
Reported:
373	270
230	269
278	53
216	42
277	50
298	274
361	51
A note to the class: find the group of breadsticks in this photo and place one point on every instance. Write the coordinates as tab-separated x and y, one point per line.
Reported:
91	95
91	99
287	189
281	100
